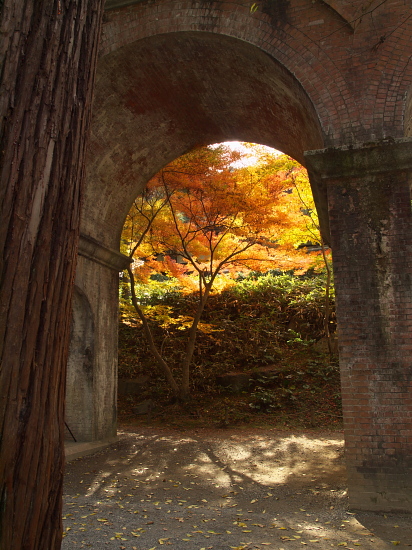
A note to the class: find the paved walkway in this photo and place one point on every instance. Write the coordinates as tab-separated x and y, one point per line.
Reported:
220	490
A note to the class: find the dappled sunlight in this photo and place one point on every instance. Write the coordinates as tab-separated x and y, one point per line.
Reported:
275	461
218	490
97	483
268	462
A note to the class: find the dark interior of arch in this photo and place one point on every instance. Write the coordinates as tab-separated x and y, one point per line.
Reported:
159	97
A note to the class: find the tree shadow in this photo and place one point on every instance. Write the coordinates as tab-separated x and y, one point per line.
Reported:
249	487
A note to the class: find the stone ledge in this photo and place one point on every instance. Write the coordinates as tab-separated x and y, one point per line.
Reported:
359	159
73	450
96	252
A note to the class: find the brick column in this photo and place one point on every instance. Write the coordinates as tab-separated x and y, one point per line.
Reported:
368	193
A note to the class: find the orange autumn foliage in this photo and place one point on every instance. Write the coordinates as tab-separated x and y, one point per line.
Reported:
202	217
206	217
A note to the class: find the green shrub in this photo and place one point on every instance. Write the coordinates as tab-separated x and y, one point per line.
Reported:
243	328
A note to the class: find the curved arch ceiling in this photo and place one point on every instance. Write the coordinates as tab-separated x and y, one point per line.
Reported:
159	97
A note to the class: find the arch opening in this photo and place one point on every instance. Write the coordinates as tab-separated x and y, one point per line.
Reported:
188	89
181	237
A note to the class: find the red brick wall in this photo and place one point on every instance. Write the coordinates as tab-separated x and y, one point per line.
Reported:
371	227
157	98
356	68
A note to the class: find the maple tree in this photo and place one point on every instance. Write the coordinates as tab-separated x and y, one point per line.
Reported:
204	219
300	203
307	228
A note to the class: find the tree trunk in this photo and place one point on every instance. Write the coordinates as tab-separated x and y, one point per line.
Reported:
326	317
48	50
190	346
161	363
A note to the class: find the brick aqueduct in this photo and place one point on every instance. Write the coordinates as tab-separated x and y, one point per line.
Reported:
325	81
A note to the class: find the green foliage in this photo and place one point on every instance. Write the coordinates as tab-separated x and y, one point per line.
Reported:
308	287
245	327
267	400
158	292
297	340
289	386
297	302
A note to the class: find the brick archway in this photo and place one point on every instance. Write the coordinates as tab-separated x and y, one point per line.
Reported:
189	88
351	59
326	82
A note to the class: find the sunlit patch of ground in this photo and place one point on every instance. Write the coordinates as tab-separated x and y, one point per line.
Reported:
209	489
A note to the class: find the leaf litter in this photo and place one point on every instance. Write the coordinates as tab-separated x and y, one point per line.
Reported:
295	507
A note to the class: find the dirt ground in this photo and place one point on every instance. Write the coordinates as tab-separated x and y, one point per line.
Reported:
220	489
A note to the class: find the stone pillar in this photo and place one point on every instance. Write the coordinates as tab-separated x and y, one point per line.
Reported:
80	373
368	193
91	395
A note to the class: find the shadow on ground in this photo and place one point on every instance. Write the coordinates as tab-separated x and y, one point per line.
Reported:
228	489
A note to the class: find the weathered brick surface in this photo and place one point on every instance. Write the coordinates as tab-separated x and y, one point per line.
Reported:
187	89
297	75
174	74
353	62
371	227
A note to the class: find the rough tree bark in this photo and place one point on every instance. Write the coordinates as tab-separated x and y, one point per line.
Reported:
48	53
